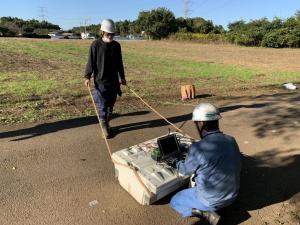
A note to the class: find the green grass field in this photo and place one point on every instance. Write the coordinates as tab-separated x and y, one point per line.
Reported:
43	79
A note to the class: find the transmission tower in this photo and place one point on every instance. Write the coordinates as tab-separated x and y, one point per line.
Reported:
186	8
85	21
42	13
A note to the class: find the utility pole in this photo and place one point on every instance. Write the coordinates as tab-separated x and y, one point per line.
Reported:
80	27
85	21
186	8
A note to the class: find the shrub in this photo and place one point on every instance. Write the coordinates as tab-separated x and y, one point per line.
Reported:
294	39
251	37
5	32
276	38
34	35
203	38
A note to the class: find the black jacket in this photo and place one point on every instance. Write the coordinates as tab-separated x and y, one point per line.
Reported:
105	62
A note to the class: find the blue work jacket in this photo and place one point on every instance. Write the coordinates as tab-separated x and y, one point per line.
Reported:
216	163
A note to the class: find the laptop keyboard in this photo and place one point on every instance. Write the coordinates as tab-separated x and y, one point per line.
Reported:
172	160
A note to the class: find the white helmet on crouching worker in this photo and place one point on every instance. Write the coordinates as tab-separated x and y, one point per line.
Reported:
108	26
206	112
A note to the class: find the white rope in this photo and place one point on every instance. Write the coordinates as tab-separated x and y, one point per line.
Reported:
160	115
109	149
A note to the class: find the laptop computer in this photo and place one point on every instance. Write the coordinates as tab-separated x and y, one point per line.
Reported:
169	147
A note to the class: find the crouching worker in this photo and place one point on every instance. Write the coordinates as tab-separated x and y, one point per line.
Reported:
105	63
215	162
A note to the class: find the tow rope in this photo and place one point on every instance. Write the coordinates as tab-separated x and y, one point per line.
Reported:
134	169
164	118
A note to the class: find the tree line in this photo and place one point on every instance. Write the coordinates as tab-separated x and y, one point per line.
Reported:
161	23
13	26
158	24
277	33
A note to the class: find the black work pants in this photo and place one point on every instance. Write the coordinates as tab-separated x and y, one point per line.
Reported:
105	99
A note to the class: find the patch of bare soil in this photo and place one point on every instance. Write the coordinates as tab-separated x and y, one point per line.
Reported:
295	208
253	57
14	62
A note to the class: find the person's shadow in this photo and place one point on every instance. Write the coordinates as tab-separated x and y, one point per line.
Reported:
51	127
175	119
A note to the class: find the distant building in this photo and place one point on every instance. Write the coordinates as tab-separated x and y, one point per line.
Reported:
132	37
128	37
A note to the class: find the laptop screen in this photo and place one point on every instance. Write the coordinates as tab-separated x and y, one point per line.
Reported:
168	145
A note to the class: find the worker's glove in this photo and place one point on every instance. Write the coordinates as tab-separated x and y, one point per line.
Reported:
123	82
87	82
173	164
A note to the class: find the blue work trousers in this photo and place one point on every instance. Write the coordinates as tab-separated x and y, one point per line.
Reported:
184	201
105	100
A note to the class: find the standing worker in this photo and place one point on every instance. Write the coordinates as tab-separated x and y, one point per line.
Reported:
215	162
105	62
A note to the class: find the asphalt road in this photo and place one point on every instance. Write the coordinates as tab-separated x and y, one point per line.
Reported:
52	172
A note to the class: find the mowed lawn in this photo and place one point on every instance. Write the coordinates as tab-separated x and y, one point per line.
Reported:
43	79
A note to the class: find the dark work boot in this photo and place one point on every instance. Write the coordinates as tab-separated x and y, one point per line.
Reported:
105	128
109	116
212	217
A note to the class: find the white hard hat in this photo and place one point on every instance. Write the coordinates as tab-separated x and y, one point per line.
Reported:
206	112
108	26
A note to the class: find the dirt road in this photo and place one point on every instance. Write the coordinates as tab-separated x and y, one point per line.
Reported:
50	172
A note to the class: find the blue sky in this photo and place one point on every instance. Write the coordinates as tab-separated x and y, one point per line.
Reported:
70	13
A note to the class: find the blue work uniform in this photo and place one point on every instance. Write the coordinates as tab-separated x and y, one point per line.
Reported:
105	63
216	163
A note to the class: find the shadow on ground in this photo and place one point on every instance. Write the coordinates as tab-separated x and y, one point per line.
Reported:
279	113
204	96
263	183
52	127
177	119
272	118
46	128
282	115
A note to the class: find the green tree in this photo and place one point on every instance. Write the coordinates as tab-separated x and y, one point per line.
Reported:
4	31
27	29
184	25
134	29
157	23
17	26
218	29
237	26
277	38
201	25
276	23
124	28
291	23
